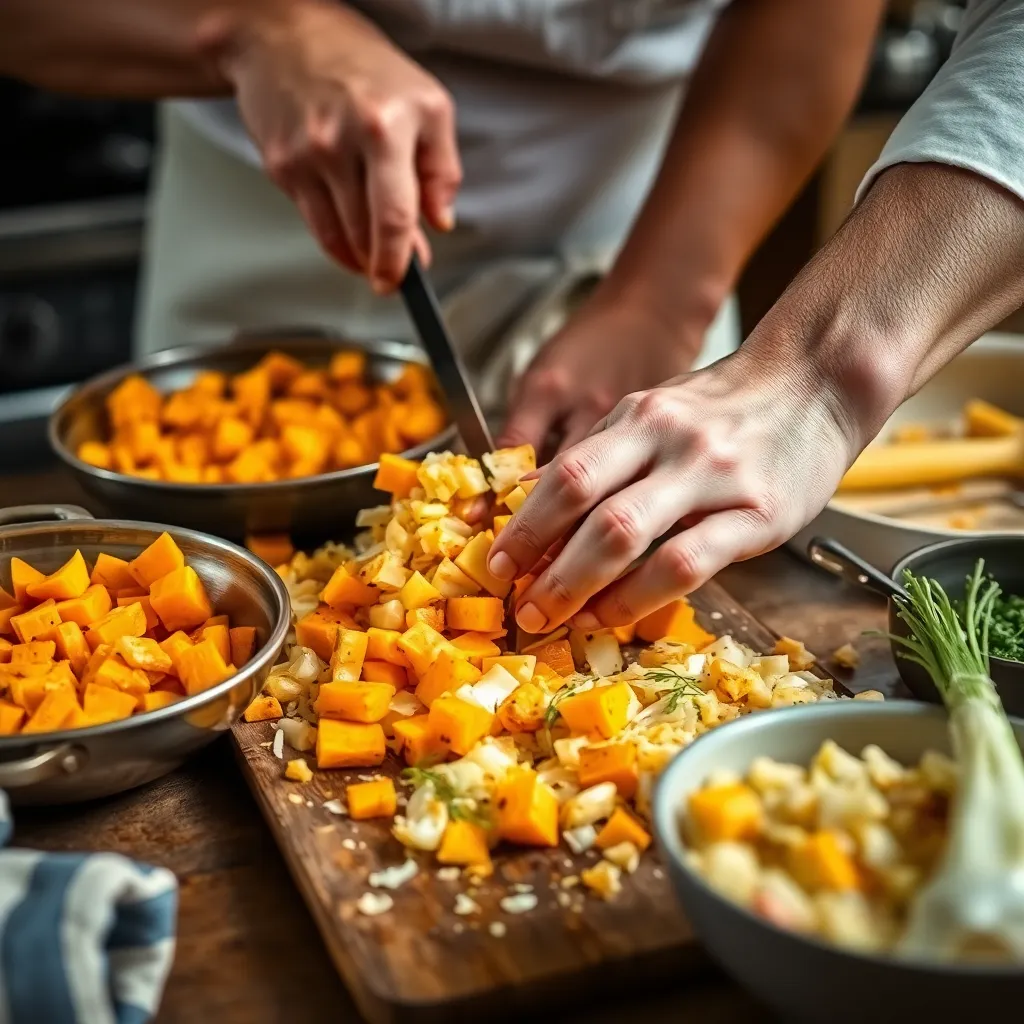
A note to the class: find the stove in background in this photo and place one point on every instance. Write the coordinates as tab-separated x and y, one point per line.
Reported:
73	182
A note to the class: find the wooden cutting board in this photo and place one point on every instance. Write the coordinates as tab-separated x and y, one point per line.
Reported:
420	961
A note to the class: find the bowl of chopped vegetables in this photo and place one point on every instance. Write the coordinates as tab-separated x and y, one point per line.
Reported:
959	566
856	861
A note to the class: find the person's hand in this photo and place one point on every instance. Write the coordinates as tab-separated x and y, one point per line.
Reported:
360	136
610	349
740	455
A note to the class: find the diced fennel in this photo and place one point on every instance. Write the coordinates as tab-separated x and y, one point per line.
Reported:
973	907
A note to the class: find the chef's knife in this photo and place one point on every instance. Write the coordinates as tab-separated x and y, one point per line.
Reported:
463	408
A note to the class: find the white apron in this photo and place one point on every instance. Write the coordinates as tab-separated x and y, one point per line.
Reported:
563	110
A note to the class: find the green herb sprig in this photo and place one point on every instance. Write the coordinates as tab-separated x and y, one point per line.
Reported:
447	794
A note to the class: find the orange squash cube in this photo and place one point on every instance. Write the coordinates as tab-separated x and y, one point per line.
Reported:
273	548
152	619
464	843
264	708
383	645
417	742
622	827
174	645
36	622
179	598
243	644
476	647
53	712
103	704
140	652
112	573
23	576
349	744
86	609
70	580
124	620
6	614
11	717
396	475
221	636
162	557
676	621
36	652
201	666
458	724
527	810
448	672
615	762
472	560
557	655
319	630
376	799
601	710
385	672
476	614
354	701
5	651
71	646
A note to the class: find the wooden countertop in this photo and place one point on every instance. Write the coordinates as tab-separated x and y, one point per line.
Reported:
248	951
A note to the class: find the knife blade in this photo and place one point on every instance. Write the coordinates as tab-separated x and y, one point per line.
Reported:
463	407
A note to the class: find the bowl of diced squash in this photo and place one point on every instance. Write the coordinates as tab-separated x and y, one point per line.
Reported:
124	647
267	434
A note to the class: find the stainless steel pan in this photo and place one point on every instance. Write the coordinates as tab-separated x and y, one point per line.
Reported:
313	509
80	764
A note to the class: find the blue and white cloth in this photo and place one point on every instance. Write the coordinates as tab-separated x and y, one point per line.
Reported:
84	938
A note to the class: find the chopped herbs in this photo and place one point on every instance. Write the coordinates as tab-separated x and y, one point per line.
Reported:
1006	631
679	687
460	808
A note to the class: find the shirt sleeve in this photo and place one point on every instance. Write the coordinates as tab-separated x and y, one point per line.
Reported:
971	115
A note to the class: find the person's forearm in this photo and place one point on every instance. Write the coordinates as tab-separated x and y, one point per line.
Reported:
927	262
126	48
776	82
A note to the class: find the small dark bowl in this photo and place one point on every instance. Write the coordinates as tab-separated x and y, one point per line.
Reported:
949	563
312	509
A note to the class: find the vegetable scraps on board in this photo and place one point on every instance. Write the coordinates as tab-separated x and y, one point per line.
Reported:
400	648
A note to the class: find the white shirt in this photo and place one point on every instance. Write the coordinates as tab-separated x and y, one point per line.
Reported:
972	113
563	107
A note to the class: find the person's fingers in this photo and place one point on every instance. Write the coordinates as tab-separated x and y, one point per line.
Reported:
316	205
393	197
422	248
347	183
438	163
568	489
679	567
615	533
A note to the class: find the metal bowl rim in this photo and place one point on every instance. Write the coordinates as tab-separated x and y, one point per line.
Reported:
400	351
668	841
180	708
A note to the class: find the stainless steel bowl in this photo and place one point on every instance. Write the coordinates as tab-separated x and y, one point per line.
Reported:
312	509
80	764
802	978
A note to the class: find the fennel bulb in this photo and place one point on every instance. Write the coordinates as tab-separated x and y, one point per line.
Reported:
973	907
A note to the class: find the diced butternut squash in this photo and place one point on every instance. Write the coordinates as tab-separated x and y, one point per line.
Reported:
179	598
472	560
726	813
348	655
71	646
5	651
156	699
70	580
450	581
36	622
124	620
432	615
152	619
344	590
220	637
464	843
418	593
161	558
319	630
614	762
112	572
602	710
500	522
622	827
520	666
54	710
349	744
675	621
396	475
174	645
103	704
385	672
557	655
201	666
88	608
23	576
6	614
376	799
140	652
448	672
115	673
243	644
475	614
527	809
417	742
354	701
421	644
820	862
264	708
37	652
457	724
11	717
382	645
524	709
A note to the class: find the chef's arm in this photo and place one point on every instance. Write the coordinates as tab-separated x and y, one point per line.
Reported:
126	48
931	256
776	82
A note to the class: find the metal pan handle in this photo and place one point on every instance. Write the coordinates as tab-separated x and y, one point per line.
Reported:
841	561
26	771
41	513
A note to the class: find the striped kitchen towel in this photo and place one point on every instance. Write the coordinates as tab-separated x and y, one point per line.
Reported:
84	938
